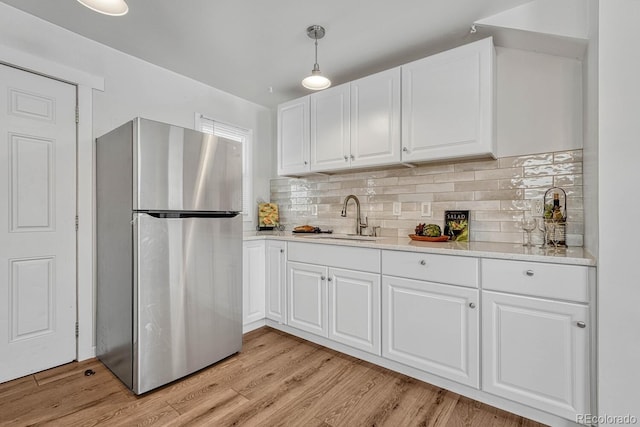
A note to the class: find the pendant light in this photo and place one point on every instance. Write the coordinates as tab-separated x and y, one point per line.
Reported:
107	7
316	81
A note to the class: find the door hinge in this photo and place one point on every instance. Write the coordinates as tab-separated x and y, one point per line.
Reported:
77	114
76	222
77	330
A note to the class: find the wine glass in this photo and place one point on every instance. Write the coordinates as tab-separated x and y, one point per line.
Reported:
542	226
528	225
553	236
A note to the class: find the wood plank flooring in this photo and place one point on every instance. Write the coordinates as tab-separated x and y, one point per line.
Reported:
277	380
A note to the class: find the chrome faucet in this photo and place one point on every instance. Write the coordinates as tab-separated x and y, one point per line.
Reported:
359	224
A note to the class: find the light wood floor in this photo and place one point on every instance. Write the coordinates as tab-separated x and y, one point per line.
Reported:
277	380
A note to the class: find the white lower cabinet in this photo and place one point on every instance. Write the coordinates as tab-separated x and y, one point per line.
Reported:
536	334
327	299
253	281
339	304
354	309
307	295
431	327
423	311
535	351
275	286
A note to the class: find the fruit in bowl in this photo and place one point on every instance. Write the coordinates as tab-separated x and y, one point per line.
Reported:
429	230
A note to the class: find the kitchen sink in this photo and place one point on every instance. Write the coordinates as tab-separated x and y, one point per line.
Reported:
354	237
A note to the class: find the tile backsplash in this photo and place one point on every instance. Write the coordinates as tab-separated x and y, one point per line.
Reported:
497	192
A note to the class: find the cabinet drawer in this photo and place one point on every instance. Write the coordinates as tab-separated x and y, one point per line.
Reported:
566	282
362	259
462	271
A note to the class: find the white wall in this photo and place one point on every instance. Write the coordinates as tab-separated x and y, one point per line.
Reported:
619	176
132	88
590	152
567	18
539	102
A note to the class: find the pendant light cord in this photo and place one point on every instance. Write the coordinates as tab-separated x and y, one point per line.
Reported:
316	42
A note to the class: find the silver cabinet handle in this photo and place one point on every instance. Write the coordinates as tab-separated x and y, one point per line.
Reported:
472	305
423	262
529	273
581	325
322	278
330	279
405	149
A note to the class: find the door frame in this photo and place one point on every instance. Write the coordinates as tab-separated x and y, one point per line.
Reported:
85	184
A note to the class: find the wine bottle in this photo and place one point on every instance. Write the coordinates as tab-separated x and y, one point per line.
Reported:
556	213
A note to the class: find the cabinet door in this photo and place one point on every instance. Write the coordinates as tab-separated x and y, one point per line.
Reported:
431	327
293	137
253	282
307	294
276	281
447	104
535	352
354	313
375	119
330	129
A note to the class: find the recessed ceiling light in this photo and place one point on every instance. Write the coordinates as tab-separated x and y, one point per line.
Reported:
107	7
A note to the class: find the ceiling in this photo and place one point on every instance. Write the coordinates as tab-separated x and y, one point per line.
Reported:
259	50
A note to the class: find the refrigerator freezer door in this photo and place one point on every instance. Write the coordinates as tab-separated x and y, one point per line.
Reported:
184	170
188	296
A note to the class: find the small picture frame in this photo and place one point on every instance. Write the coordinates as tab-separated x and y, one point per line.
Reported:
456	225
268	216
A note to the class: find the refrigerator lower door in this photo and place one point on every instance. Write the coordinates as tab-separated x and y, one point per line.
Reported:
187	296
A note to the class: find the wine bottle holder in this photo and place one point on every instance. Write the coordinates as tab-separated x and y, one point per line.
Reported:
559	234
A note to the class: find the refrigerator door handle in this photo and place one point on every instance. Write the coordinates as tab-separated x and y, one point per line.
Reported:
178	215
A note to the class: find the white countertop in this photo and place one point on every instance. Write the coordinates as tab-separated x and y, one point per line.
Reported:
571	255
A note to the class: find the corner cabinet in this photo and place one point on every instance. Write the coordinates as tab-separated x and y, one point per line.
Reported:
293	137
253	284
448	104
536	335
275	286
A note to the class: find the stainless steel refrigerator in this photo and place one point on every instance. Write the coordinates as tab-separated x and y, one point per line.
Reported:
169	252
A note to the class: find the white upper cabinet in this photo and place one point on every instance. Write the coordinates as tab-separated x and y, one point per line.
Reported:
440	107
375	119
356	124
448	104
293	137
330	137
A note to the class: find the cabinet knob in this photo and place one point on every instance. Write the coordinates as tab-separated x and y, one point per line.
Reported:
529	273
472	305
581	325
281	251
322	278
423	262
346	158
405	149
352	157
330	279
306	163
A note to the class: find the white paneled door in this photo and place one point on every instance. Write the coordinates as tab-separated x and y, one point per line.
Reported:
37	223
